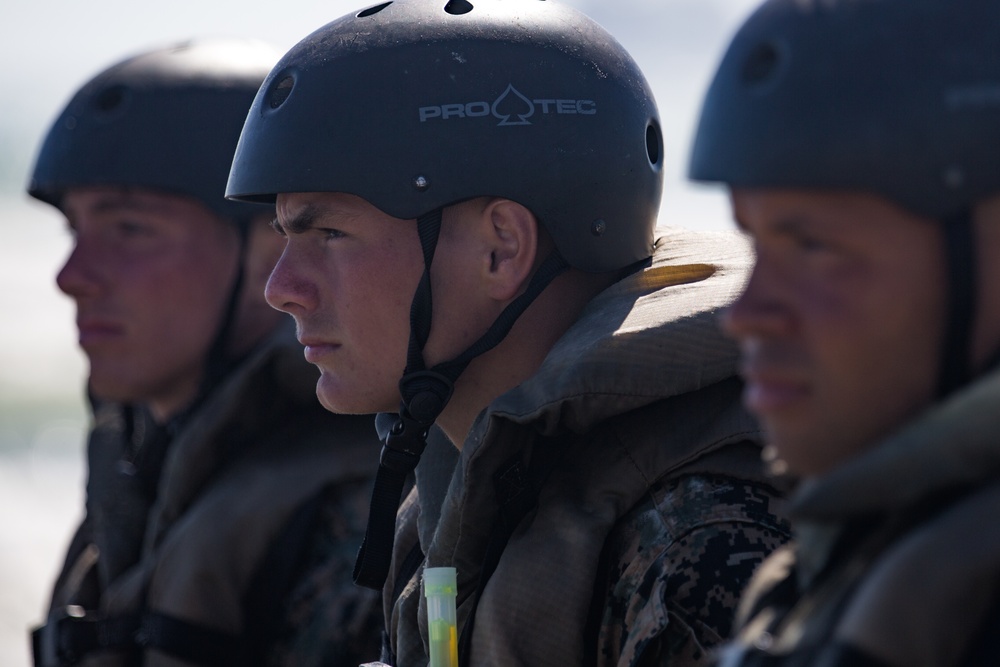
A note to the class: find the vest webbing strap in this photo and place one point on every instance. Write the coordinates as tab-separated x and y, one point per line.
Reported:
956	362
375	555
67	640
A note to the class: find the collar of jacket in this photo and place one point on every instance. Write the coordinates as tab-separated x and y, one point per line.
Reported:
650	336
653	335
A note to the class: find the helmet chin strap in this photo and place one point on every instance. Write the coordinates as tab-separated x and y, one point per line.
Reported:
956	350
425	393
218	361
960	254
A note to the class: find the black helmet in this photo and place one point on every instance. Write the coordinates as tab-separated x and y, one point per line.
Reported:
900	98
415	104
167	119
896	97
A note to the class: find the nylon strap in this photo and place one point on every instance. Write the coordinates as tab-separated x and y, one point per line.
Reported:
67	640
217	363
553	265
375	555
956	366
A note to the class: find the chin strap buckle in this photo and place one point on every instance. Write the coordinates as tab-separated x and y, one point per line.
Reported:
404	445
425	393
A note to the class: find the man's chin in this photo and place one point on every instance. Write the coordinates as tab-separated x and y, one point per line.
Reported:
110	387
342	402
334	401
799	454
111	394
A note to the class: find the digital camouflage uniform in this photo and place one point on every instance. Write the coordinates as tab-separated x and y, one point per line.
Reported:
243	523
655	509
715	528
897	557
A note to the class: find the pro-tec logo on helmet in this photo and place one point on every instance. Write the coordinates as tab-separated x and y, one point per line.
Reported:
512	108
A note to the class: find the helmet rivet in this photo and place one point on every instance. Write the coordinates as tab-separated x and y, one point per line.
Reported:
954	177
598	227
70	122
421	183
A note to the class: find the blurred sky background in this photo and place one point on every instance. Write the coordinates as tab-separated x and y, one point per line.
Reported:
48	48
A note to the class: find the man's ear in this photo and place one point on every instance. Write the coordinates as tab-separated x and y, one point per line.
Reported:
513	235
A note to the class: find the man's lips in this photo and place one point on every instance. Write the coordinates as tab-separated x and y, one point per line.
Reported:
92	331
769	390
316	349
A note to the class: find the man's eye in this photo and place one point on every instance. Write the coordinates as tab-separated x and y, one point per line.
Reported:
811	244
331	233
133	228
278	229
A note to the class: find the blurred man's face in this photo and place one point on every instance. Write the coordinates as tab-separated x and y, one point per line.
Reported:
841	322
150	274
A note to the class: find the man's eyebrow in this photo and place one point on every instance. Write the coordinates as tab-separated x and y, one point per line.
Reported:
792	223
303	221
122	202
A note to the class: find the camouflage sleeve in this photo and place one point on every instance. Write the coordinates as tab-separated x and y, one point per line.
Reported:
328	620
676	566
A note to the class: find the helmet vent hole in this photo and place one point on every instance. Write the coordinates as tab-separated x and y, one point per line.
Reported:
371	11
762	63
653	151
954	177
457	7
110	99
281	91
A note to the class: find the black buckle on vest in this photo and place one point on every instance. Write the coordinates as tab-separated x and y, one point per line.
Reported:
404	445
70	635
67	638
425	393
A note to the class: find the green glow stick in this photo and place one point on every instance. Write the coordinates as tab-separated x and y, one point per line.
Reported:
440	589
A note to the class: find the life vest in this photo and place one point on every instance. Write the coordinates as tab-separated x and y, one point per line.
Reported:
236	502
